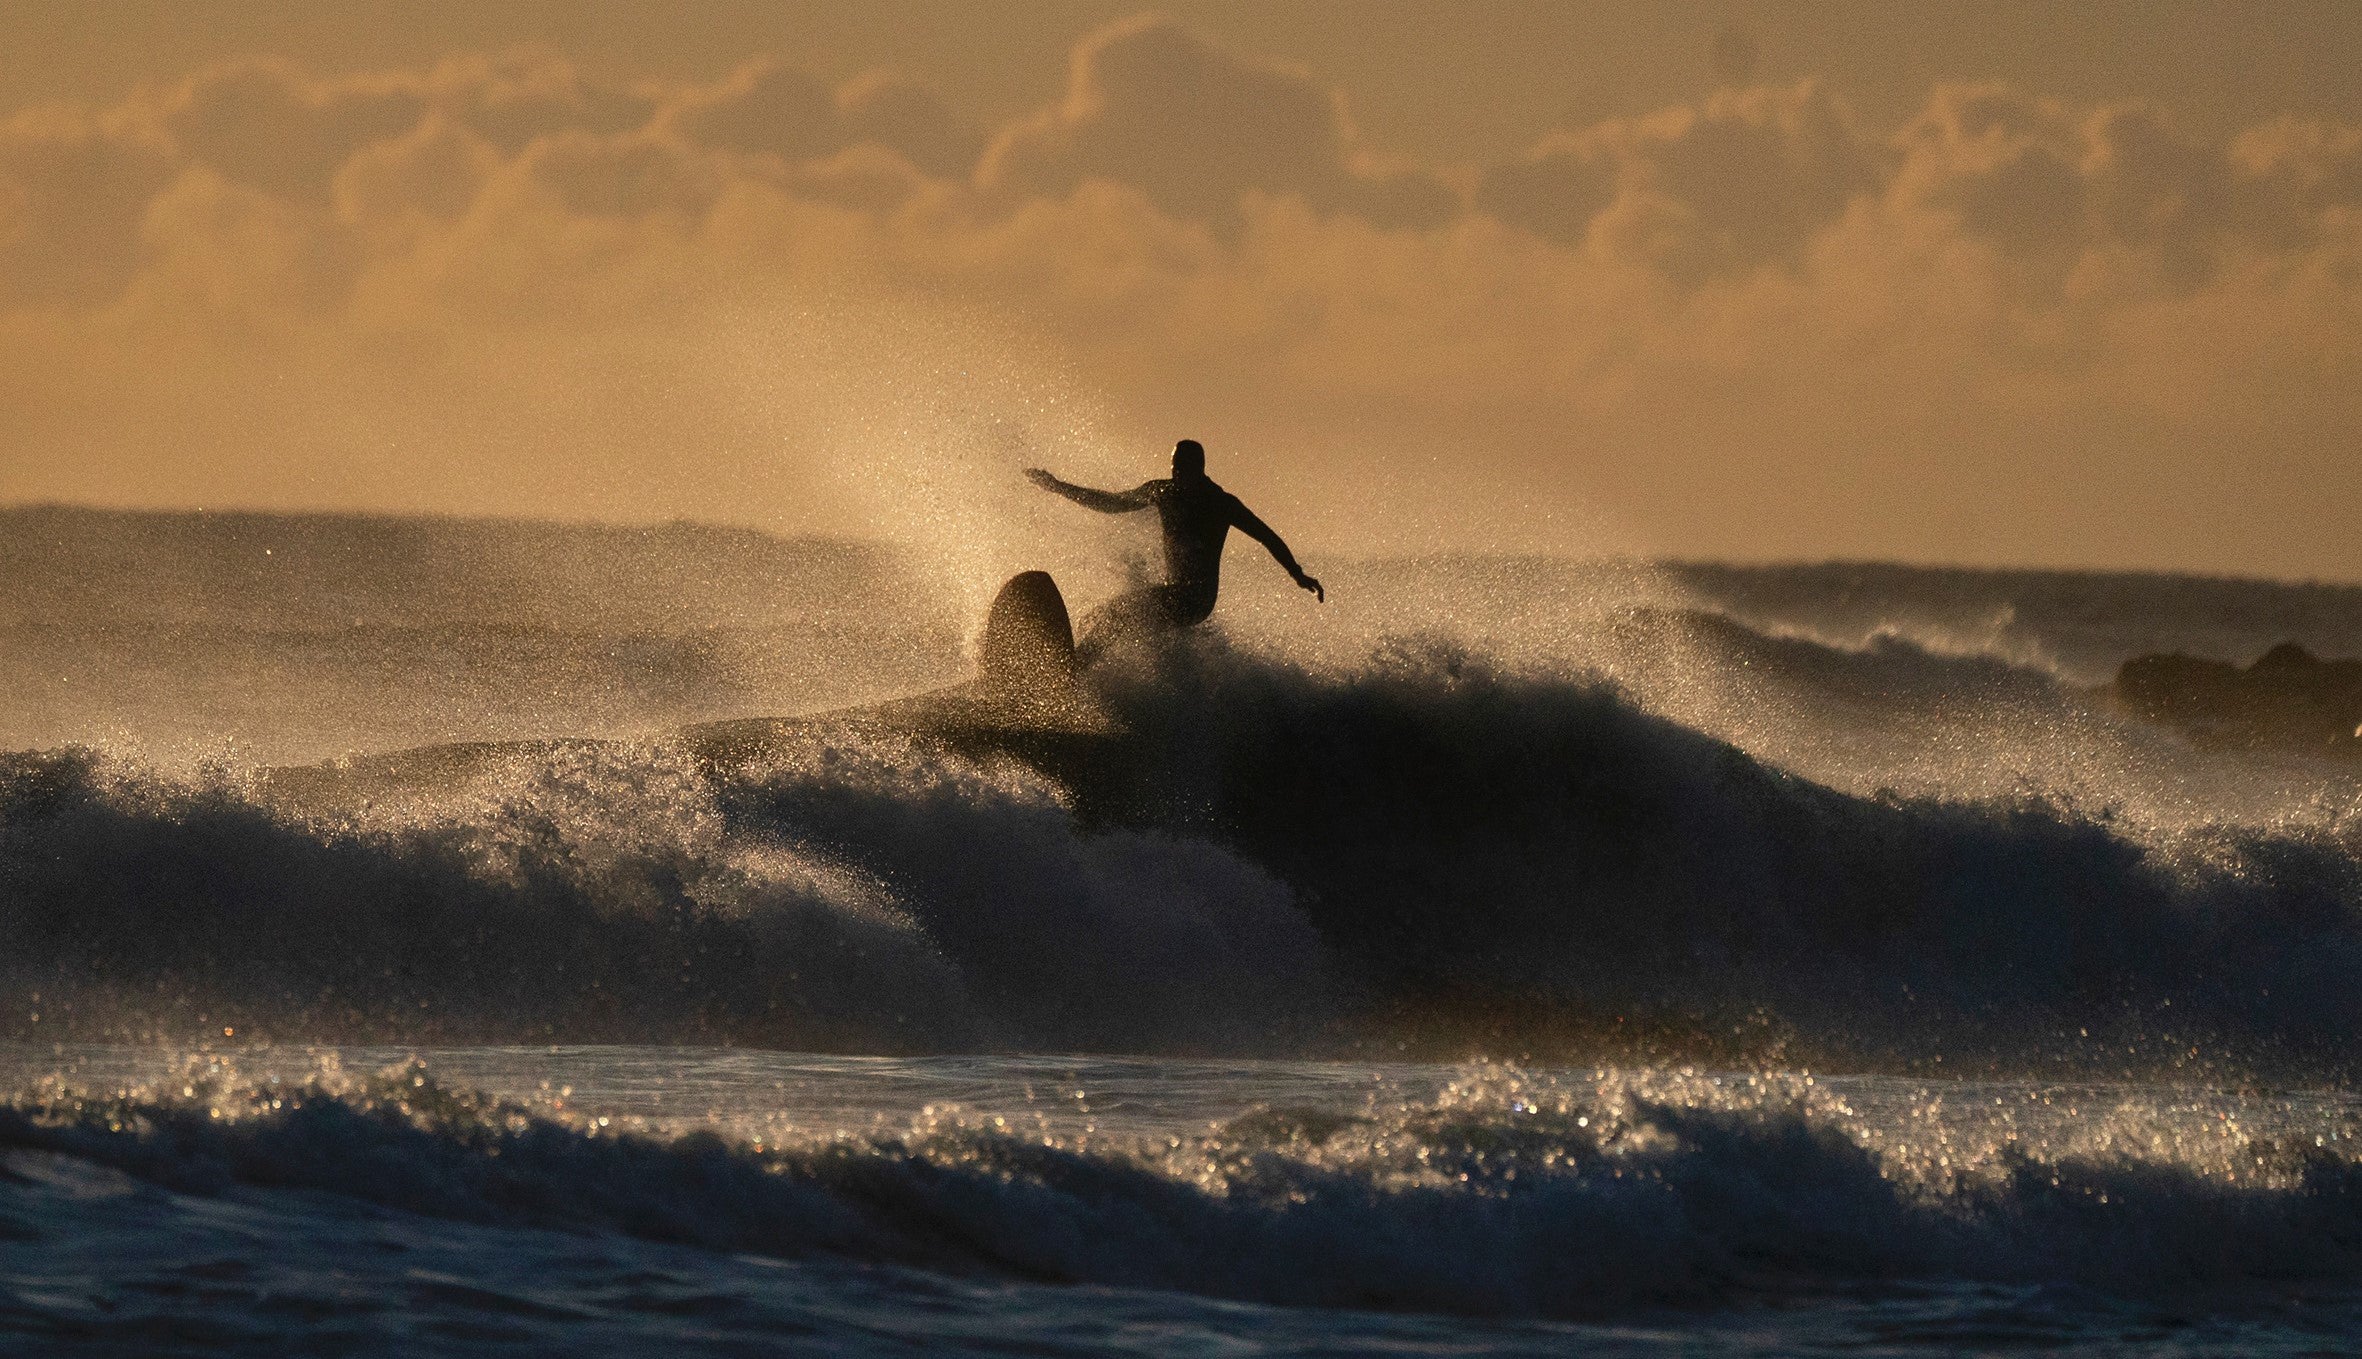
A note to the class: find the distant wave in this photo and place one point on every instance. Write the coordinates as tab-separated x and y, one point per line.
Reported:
1500	1199
1426	844
289	637
2082	623
1919	716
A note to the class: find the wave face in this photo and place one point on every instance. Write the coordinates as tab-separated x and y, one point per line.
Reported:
1427	846
853	894
1526	844
1500	1195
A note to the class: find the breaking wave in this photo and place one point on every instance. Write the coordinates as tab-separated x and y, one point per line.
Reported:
1504	1197
1289	858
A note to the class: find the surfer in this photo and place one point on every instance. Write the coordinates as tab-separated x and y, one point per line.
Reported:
1197	516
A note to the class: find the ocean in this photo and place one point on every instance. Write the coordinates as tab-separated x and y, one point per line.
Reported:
1517	955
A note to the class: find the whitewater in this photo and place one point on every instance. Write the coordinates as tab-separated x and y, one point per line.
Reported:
1521	954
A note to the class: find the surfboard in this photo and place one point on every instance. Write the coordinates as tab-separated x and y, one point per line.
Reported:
1028	644
1029	702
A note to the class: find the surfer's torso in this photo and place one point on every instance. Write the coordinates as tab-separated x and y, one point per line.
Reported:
1196	516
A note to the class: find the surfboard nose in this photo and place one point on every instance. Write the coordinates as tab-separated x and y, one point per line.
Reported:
1028	644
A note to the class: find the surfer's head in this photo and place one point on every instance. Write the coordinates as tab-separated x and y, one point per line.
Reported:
1189	459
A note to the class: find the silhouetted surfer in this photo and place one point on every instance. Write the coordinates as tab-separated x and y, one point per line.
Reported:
1197	516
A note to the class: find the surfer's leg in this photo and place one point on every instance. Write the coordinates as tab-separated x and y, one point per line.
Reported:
1187	605
1127	615
1140	613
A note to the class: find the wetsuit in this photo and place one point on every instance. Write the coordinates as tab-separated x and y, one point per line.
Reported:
1196	516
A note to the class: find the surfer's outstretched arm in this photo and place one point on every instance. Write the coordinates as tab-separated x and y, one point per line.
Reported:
1244	520
1106	502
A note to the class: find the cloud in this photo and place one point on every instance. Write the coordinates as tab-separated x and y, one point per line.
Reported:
625	176
267	125
2312	164
907	116
2061	194
433	173
1734	55
1193	127
1743	181
768	109
763	109
221	254
2007	166
1555	190
72	193
511	99
1750	317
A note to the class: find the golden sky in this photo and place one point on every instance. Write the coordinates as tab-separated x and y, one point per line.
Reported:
2011	283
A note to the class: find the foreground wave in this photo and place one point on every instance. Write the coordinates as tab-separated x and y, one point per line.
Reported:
1503	1196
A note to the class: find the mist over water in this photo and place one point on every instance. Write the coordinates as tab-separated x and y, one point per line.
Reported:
288	638
1630	824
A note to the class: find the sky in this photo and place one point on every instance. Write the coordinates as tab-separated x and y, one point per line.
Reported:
2006	284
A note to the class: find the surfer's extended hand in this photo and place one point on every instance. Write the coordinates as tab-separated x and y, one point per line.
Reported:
1309	583
1042	478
